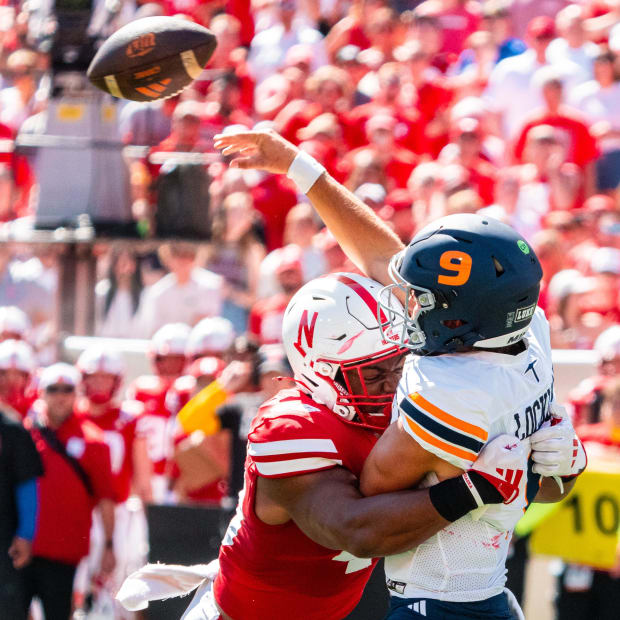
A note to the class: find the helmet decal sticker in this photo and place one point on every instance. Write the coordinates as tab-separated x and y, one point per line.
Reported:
308	331
524	247
457	262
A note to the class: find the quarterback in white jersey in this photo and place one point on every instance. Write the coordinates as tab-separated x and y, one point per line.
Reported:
481	366
452	405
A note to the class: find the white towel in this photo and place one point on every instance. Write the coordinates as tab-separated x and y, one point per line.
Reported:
155	582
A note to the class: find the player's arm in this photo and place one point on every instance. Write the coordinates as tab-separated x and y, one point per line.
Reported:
142	470
398	461
363	236
329	508
551	492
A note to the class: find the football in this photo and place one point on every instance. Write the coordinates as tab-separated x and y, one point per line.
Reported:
151	58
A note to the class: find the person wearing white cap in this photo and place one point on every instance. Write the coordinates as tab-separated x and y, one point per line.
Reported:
14	323
78	477
167	354
17	364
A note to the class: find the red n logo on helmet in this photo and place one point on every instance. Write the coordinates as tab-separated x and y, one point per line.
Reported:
307	330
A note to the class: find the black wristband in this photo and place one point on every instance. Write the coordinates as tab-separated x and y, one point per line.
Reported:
109	544
452	498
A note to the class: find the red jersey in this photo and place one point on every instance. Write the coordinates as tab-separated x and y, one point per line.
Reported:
119	432
155	421
599	433
276	571
585	399
65	507
582	146
21	402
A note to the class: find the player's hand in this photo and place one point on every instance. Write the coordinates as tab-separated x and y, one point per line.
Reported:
263	150
503	463
556	449
20	552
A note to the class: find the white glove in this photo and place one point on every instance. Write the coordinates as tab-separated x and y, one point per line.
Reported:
503	462
556	449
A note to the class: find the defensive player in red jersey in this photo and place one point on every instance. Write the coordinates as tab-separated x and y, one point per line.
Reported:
102	373
17	364
167	353
302	541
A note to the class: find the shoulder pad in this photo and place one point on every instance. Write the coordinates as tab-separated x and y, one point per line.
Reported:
290	437
453	430
186	383
149	385
131	409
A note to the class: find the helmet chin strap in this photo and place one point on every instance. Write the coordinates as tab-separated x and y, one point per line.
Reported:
345	411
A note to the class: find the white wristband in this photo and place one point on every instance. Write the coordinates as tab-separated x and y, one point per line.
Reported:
305	171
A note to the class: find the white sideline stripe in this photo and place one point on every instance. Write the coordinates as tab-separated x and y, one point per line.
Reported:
291	446
286	467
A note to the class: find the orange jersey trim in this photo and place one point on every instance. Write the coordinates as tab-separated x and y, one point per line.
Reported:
472	429
442	445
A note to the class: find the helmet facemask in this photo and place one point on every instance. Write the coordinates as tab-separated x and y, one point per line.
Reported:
353	401
402	325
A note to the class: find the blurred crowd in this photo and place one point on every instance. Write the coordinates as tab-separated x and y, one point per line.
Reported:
422	109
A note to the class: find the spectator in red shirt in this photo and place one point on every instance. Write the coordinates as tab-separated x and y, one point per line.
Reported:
582	148
229	56
265	323
77	478
409	126
426	91
16	180
551	251
328	89
458	19
223	107
466	150
548	181
322	138
396	161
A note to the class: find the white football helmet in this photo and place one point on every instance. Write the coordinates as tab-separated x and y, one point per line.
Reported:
17	355
211	336
171	339
331	332
98	359
14	323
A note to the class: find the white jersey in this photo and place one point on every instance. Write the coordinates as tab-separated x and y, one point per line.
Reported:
452	405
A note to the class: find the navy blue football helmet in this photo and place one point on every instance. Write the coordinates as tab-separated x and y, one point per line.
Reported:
468	281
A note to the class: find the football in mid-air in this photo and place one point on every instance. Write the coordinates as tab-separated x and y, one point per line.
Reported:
152	58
